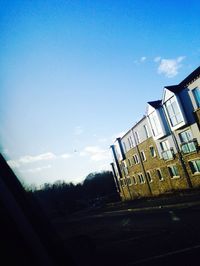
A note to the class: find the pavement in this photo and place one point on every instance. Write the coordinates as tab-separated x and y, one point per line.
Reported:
156	231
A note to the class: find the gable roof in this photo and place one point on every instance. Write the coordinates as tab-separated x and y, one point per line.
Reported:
155	104
190	78
194	75
174	88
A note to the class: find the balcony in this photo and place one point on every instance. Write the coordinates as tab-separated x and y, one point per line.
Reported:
190	146
168	154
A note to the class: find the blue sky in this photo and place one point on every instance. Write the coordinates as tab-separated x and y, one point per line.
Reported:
75	74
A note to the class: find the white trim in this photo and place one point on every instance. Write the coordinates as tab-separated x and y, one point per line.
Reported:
184	121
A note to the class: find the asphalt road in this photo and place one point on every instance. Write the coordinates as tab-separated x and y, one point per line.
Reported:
142	236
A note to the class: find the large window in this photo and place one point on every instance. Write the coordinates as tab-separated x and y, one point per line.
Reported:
124	146
188	143
186	136
167	153
146	131
137	137
196	93
130	142
173	170
174	112
155	124
164	145
195	166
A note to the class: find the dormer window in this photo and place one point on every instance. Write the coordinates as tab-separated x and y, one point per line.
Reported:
174	112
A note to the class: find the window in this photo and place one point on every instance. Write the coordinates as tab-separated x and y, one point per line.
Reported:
152	151
188	143
137	137
196	93
141	178
155	124
173	171
186	136
134	180
174	112
135	159
124	146
130	142
128	181
167	153
124	168
149	177
129	162
164	145
159	174
143	156
195	166
146	131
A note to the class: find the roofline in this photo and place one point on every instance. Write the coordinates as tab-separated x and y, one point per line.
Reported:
191	77
149	103
134	126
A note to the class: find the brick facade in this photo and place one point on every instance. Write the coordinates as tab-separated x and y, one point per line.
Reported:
144	170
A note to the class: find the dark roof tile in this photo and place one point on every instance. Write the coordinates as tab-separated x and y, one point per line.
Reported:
155	104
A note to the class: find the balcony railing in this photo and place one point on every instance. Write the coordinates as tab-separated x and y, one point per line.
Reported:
190	146
168	154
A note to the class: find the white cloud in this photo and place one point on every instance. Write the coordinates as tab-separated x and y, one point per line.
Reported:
65	155
78	131
170	67
40	157
38	169
95	153
28	159
142	59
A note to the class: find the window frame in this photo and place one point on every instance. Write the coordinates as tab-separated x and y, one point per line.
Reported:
196	165
174	166
159	174
196	96
149	177
150	148
143	156
136	161
173	109
141	178
134	180
146	131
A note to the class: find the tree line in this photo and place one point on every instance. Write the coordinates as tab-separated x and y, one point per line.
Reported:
61	198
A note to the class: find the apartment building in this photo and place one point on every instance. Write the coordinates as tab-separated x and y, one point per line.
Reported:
160	153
